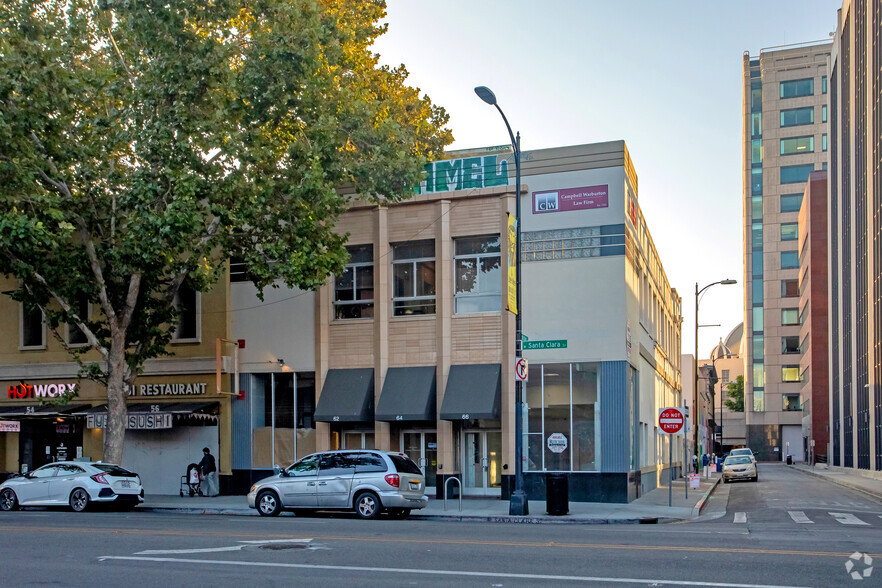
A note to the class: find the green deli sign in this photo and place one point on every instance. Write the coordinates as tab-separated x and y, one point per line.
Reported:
464	174
549	344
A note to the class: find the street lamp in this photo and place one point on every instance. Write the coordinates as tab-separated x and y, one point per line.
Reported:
726	282
724	353
518	501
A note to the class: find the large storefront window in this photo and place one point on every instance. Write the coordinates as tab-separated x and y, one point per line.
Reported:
563	417
275	438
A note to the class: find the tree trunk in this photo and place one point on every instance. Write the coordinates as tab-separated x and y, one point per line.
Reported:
115	429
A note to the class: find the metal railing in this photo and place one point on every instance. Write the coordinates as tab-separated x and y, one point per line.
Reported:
447	492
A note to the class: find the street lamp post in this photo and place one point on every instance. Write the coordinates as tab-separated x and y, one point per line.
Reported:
518	502
695	361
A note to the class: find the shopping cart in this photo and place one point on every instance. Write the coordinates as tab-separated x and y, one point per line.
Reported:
190	482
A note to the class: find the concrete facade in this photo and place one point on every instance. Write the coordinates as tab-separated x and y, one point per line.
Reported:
785	139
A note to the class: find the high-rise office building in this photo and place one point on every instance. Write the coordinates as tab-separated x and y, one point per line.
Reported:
785	139
856	237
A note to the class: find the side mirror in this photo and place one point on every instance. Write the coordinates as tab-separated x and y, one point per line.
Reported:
276	469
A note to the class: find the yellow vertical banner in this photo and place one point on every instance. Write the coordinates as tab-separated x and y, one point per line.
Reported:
512	264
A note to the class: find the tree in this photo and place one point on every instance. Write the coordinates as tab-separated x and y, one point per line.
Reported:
143	143
735	392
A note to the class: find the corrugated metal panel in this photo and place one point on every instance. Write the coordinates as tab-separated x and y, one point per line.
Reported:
241	426
615	421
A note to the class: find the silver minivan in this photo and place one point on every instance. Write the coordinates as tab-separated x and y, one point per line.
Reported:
366	481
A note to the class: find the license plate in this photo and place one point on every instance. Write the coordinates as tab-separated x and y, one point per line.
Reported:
414	486
125	484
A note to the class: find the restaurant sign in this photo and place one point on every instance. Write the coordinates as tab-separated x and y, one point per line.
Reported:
10	427
133	421
168	389
24	390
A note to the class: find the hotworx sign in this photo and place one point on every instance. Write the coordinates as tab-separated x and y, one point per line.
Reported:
23	390
463	174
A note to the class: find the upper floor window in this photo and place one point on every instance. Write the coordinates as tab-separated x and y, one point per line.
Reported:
789	231
791	402
33	330
725	376
824	142
478	276
797	88
354	288
789	316
824	113
74	335
789	288
187	302
791	202
756	151
790	344
413	275
789	373
792	174
823	84
789	260
794	117
797	145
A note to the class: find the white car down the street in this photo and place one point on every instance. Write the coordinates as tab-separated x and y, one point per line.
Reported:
74	483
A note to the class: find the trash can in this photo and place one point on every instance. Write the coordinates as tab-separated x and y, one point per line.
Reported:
719	464
789	460
557	494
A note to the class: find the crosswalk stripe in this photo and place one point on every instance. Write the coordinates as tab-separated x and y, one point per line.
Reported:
799	517
847	518
740	517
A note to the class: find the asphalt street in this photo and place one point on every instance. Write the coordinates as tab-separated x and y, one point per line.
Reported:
770	548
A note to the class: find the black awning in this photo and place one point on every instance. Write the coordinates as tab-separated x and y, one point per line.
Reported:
45	410
409	394
473	392
87	410
347	396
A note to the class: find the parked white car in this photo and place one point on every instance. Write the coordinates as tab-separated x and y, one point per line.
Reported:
74	483
743	451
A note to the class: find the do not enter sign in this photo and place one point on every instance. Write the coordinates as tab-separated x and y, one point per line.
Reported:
671	420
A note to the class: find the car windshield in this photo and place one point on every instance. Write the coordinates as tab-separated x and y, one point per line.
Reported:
114	470
741	452
736	460
404	465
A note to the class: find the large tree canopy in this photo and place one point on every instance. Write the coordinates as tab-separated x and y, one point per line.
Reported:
144	142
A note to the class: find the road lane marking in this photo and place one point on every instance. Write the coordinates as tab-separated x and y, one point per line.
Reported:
740	517
427	541
799	517
846	518
413	571
243	545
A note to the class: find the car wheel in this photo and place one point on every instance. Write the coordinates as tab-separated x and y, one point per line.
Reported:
367	505
755	479
725	481
79	500
8	499
268	504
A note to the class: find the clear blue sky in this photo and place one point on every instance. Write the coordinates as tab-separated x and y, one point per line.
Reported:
664	75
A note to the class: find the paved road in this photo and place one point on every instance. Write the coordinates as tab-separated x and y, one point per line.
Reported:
151	549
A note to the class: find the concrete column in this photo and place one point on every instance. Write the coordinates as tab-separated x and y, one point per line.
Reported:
382	311
323	318
444	286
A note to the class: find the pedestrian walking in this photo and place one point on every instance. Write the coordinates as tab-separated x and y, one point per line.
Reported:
208	473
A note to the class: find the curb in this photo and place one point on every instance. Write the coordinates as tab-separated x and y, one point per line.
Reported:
433	517
702	502
843	483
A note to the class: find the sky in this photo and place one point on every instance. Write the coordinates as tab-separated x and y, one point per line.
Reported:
663	75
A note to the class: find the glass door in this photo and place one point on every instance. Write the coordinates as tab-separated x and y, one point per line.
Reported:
422	448
482	463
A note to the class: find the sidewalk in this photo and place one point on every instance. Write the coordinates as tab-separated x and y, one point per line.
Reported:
649	509
848	477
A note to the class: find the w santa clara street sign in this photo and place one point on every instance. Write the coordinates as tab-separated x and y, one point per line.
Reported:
671	420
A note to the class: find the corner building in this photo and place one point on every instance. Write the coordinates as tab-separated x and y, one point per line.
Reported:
785	139
412	347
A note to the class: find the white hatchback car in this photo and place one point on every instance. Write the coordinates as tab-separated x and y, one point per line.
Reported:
74	483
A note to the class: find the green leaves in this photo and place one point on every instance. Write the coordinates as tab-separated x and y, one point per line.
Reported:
156	139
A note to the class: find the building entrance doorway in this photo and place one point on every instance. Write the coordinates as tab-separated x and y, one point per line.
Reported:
482	463
422	448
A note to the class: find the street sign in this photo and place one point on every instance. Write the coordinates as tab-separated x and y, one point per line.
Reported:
521	369
671	421
557	443
528	345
